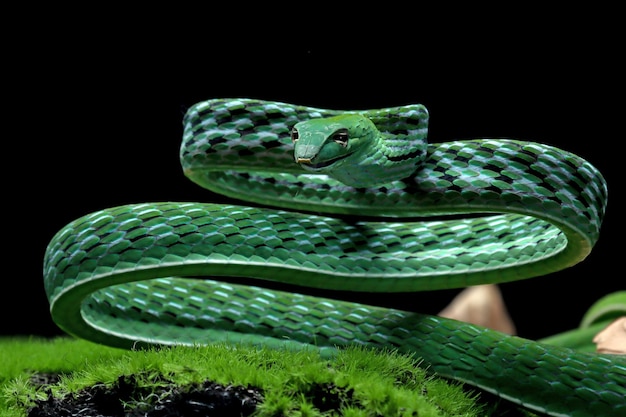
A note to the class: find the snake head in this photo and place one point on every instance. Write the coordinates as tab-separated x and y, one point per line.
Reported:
324	144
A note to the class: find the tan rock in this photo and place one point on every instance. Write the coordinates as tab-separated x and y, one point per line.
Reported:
612	339
482	305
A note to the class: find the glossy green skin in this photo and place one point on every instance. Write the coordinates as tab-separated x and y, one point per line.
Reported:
113	276
350	149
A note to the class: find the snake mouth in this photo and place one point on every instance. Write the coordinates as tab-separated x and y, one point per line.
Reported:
320	165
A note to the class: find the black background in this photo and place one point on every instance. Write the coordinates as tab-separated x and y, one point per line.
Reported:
93	118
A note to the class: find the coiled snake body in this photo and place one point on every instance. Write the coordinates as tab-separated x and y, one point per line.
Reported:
437	216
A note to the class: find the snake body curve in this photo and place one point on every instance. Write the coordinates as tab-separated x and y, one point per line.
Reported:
468	212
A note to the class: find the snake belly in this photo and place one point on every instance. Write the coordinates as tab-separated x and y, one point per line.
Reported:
473	212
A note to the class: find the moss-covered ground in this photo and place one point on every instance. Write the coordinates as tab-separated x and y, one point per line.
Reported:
69	377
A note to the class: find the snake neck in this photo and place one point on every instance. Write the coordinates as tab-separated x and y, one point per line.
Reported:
378	164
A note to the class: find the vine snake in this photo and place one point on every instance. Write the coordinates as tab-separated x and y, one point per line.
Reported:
430	216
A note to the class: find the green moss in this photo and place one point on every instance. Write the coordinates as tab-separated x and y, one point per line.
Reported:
355	383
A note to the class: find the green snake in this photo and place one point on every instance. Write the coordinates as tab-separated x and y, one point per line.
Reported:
342	201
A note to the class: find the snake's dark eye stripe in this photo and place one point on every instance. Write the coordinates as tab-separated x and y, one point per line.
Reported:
341	137
294	134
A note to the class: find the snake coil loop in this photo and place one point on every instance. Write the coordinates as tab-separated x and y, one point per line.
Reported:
448	215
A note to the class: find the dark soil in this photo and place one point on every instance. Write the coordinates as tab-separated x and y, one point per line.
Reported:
126	398
159	397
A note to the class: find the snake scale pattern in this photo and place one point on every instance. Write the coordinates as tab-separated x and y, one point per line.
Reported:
350	201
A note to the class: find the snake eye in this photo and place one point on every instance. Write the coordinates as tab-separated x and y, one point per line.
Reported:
294	134
341	137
